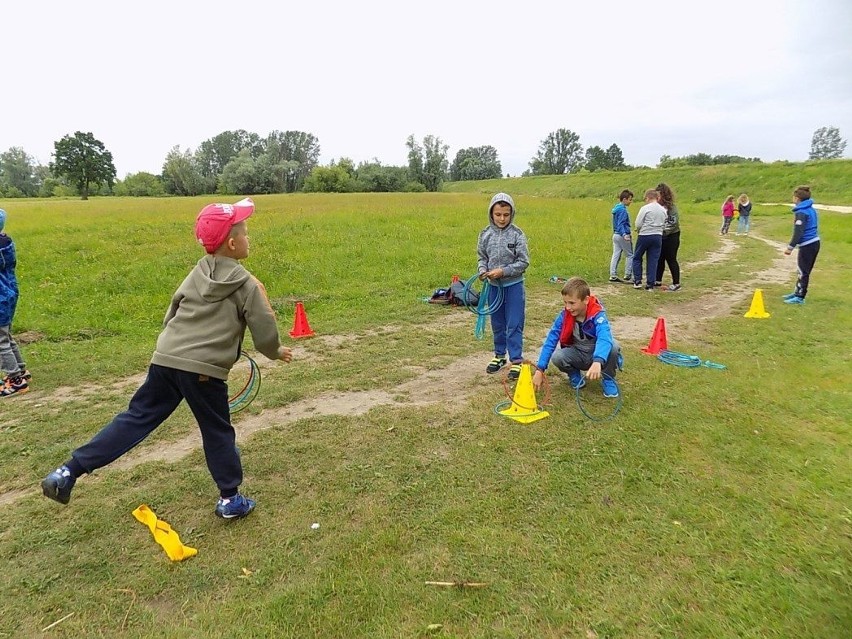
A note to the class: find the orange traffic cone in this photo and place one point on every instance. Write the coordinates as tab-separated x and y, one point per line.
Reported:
301	328
757	310
658	339
524	408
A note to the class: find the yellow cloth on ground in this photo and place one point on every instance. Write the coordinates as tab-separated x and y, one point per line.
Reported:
164	535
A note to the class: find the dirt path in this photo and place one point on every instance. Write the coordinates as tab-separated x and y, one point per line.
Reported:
818	207
429	386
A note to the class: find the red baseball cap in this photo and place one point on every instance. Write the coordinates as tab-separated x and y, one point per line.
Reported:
215	221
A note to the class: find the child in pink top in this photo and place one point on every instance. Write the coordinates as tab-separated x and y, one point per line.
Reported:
727	215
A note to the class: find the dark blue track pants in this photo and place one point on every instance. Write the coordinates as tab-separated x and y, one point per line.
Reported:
650	244
153	402
507	322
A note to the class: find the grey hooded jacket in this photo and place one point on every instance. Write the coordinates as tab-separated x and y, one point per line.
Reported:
204	327
504	248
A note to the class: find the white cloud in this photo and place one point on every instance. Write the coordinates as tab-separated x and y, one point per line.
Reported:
750	77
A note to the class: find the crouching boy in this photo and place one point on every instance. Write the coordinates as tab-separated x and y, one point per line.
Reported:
581	340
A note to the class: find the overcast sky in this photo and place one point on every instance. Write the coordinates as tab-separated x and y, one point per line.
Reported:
743	77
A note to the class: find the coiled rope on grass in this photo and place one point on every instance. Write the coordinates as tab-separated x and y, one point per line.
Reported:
687	361
619	402
251	388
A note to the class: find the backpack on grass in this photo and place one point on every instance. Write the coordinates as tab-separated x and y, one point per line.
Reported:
455	295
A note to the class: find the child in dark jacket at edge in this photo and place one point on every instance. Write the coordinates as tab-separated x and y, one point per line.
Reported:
201	340
16	377
581	340
503	258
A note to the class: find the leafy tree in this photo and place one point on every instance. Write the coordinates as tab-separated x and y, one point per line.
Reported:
415	159
702	159
241	175
18	174
595	159
372	177
476	163
293	154
83	161
560	152
49	185
140	184
615	158
214	154
827	144
334	178
181	175
435	162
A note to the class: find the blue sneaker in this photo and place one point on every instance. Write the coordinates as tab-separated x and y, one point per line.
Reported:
58	484
610	388
789	296
576	379
235	507
795	300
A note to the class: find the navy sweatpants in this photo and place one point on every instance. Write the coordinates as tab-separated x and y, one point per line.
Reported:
650	244
507	322
153	402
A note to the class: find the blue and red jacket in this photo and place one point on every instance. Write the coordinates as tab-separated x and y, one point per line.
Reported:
596	326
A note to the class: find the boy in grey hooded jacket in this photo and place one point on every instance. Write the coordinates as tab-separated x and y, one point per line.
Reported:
201	340
503	258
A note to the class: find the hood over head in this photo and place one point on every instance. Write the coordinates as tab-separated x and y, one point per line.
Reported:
501	197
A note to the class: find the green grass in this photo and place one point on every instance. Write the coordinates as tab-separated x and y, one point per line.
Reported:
830	181
716	504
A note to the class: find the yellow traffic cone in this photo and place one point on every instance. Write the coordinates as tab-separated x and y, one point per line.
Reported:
757	311
524	408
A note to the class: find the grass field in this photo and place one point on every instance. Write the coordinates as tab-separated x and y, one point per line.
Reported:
715	504
830	181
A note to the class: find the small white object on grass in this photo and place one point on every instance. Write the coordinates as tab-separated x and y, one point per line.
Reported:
315	526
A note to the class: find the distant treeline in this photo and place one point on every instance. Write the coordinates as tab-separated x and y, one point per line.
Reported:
245	163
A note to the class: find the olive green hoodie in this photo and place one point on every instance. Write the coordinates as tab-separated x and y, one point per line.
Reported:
204	327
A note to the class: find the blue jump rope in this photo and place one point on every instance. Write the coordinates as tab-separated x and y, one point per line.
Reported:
688	361
618	403
482	309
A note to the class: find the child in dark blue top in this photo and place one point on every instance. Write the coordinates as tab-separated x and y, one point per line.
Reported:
806	238
15	374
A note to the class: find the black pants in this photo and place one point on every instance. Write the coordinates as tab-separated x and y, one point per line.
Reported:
807	258
668	255
153	402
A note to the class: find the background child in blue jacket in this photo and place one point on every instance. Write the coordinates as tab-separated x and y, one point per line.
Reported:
806	238
621	240
503	258
15	374
580	340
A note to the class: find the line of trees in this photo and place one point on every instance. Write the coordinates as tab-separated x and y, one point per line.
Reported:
244	163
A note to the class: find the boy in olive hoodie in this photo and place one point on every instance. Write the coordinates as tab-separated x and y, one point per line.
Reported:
201	340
